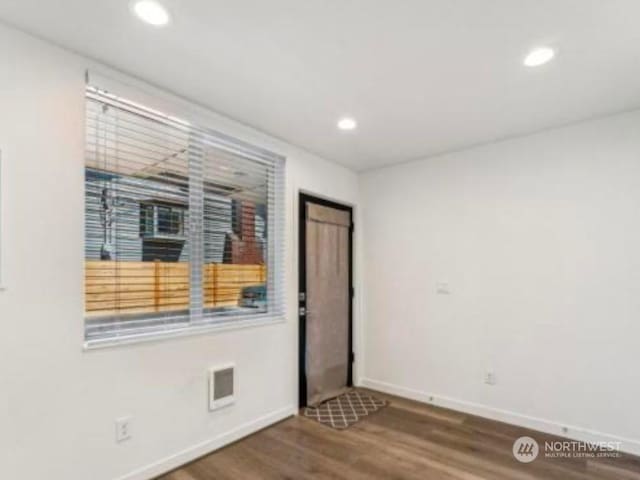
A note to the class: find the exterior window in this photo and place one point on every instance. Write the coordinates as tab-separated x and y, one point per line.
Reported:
169	221
183	226
157	221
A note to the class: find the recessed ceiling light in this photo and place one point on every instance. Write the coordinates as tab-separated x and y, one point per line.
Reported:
347	123
539	56
151	12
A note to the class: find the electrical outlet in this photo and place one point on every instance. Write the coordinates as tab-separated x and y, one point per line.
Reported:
490	378
123	429
442	288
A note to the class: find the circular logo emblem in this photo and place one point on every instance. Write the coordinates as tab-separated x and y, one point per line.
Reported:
525	449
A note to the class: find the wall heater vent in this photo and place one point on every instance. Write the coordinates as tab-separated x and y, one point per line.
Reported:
221	386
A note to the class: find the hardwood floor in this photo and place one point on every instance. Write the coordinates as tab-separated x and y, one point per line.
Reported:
406	440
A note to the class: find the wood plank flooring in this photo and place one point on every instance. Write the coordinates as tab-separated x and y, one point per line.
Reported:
406	440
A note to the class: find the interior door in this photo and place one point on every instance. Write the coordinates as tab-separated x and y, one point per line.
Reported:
327	300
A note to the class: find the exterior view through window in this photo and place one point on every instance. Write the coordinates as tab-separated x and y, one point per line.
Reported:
183	225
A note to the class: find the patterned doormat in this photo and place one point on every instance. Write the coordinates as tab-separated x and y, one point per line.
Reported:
345	410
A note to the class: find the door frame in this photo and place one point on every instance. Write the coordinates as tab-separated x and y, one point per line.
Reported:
304	199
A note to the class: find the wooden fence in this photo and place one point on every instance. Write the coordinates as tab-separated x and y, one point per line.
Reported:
113	288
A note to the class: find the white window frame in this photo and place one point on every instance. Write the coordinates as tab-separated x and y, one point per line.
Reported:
204	119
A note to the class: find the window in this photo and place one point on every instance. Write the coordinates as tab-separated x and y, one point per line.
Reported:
183	226
161	221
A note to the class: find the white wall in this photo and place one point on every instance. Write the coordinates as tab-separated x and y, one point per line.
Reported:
57	402
538	239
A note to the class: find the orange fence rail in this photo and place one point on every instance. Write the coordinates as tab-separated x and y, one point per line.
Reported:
115	288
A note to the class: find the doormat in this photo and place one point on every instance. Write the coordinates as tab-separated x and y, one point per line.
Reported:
345	410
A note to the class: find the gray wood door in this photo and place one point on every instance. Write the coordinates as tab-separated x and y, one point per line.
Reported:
328	348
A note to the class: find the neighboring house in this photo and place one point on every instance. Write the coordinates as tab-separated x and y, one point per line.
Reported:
136	219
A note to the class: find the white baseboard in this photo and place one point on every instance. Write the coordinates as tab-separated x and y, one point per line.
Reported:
547	426
189	454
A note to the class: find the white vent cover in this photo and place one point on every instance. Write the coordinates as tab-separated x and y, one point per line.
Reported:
221	386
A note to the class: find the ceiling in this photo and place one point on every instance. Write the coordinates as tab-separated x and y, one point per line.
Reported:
420	76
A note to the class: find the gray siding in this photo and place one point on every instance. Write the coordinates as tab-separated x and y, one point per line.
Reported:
125	237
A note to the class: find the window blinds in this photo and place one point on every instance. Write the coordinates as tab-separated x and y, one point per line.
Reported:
183	225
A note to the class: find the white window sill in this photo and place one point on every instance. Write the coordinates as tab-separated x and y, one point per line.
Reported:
135	338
